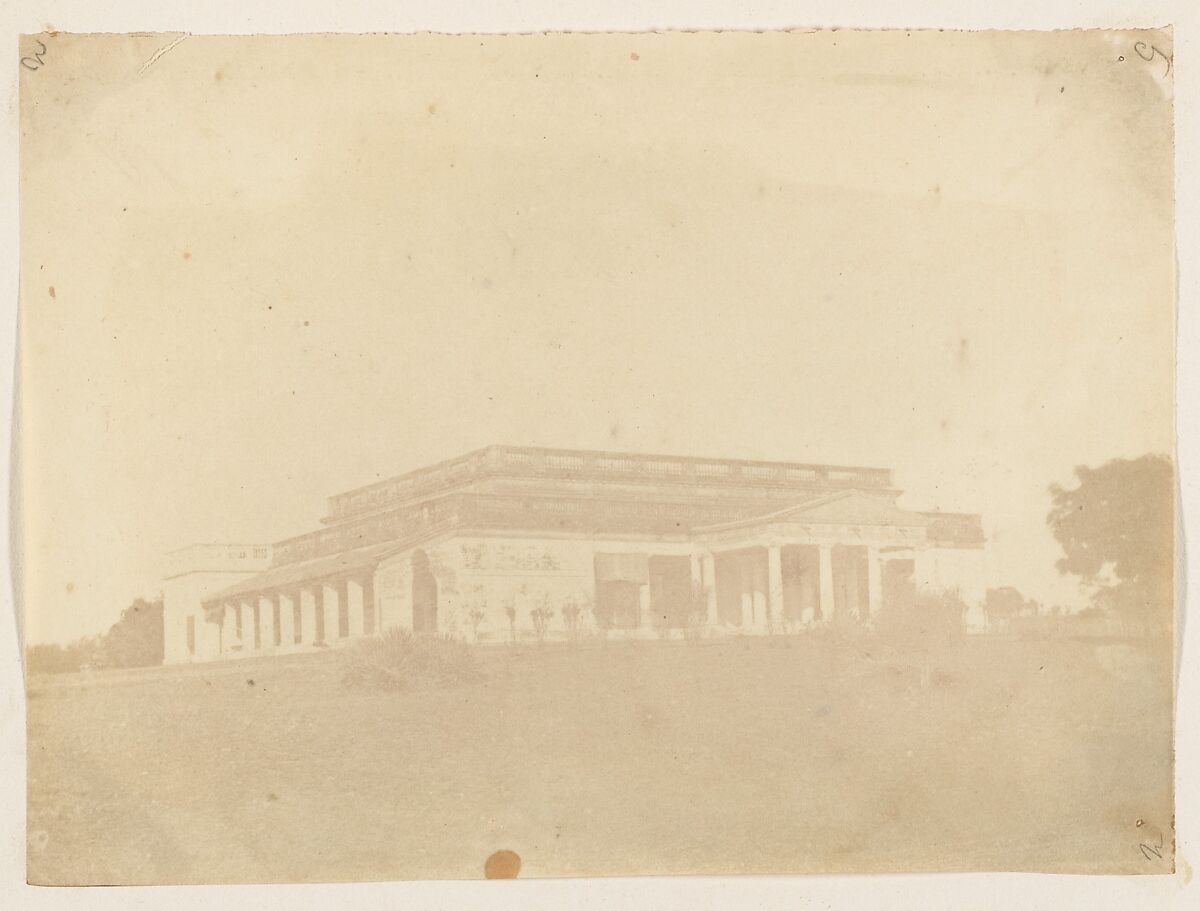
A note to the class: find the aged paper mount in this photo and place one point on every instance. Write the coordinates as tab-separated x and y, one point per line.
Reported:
597	455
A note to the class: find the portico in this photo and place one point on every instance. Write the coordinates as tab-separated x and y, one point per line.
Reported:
811	563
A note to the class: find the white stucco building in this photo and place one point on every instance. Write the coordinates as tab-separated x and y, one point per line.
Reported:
632	544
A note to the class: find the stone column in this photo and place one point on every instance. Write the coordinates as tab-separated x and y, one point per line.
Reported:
874	582
759	575
697	602
308	616
826	602
644	606
266	616
354	607
775	586
228	627
808	598
250	628
209	645
287	620
746	575
708	574
330	605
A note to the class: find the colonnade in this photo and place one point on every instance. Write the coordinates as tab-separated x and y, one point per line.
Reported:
760	589
315	613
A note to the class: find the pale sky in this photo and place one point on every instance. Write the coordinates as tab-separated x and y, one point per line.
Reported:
285	267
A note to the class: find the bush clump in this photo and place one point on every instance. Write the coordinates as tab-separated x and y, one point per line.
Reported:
400	660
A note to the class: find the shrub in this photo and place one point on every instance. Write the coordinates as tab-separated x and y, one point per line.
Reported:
401	660
570	614
541	621
932	623
476	616
510	611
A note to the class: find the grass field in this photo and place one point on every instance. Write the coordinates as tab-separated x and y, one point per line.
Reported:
785	754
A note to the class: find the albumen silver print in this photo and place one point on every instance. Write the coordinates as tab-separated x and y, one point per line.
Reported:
556	455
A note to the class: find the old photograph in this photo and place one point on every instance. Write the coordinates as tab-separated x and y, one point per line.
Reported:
560	455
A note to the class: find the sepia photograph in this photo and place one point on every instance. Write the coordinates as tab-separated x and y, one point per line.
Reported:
464	456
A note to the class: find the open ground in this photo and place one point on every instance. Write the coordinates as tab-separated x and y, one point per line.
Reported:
799	753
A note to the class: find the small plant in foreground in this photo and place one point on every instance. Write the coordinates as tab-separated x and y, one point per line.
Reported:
570	613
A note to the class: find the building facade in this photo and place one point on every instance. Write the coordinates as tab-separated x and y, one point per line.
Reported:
510	543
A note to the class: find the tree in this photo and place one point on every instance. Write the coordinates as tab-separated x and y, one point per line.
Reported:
1001	605
1116	527
136	640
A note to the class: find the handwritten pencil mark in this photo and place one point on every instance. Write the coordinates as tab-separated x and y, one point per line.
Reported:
36	60
1148	52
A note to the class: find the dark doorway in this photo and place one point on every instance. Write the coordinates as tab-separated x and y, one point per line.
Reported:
729	588
618	604
424	594
801	582
850	582
670	590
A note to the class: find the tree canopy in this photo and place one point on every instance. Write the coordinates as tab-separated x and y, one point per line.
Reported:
136	640
1116	527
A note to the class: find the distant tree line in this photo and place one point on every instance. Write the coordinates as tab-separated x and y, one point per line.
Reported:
135	640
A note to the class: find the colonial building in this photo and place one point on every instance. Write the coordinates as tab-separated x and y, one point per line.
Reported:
510	543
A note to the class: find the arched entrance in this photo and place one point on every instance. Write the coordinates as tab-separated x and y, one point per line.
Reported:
424	594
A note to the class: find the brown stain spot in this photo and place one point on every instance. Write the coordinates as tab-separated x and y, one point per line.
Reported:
187	254
52	294
218	75
432	109
502	864
634	56
70	587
